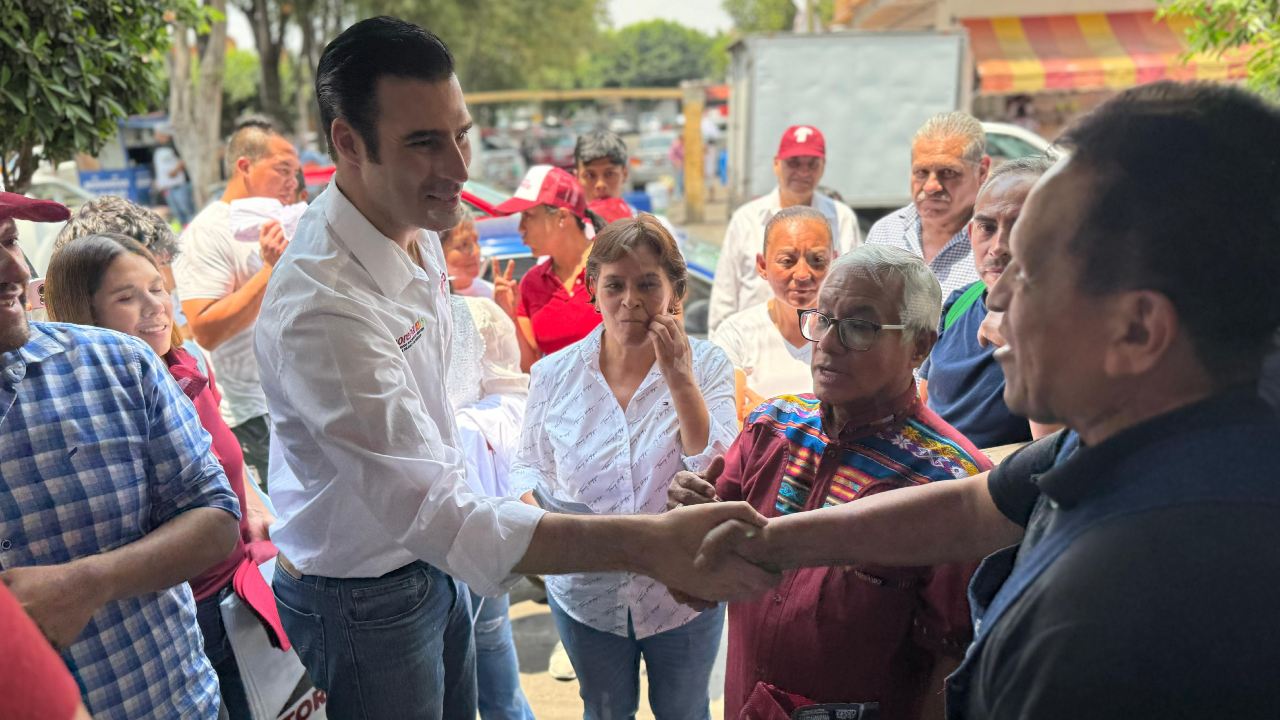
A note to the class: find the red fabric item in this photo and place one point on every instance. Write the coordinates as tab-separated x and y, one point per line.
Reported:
559	319
612	209
547	185
20	207
251	587
34	684
767	702
850	634
802	141
203	392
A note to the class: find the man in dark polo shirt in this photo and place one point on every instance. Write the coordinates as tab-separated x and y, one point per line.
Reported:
1139	306
964	383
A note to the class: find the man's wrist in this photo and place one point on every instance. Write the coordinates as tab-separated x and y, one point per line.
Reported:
93	575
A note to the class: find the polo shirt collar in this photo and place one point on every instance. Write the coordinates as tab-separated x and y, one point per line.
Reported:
1091	471
389	266
890	413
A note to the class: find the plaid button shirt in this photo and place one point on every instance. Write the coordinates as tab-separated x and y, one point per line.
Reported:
98	447
953	266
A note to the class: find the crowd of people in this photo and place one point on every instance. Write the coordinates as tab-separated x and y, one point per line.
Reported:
334	389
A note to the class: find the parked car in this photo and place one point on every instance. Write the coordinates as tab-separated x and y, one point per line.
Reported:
1007	142
652	161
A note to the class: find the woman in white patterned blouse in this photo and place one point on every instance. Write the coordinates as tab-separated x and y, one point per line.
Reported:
610	420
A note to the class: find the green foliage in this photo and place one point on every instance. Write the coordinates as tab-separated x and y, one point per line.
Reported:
758	16
1227	24
656	53
240	77
506	44
70	70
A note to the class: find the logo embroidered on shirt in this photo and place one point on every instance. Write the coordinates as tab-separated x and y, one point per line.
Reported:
407	340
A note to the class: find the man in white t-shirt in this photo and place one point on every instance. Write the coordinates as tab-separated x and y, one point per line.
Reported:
222	279
799	165
770	357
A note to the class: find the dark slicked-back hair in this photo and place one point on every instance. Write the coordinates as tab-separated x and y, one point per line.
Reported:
1186	202
350	66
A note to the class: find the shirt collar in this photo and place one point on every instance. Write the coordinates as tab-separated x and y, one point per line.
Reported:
1091	470
915	231
185	370
42	345
890	413
391	268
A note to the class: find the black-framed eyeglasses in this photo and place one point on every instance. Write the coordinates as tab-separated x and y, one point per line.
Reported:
853	333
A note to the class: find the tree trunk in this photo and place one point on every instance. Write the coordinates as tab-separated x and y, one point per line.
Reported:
195	100
268	36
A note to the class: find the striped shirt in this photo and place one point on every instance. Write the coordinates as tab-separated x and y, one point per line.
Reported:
98	447
953	266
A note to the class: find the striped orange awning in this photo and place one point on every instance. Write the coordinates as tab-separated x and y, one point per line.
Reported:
1089	52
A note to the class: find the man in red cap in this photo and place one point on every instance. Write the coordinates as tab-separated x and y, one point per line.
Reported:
801	159
97	551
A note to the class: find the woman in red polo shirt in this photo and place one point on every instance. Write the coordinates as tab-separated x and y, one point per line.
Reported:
554	309
113	281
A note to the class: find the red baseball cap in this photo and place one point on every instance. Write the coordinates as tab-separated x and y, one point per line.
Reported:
547	185
21	207
802	141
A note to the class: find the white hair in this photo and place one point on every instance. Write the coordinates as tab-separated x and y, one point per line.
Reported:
956	124
920	307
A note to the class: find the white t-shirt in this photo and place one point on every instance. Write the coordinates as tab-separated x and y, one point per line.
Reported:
164	160
210	265
480	288
772	365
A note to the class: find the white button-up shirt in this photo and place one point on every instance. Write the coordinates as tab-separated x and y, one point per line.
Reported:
585	453
365	468
737	285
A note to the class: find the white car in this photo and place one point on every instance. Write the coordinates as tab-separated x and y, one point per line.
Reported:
1006	142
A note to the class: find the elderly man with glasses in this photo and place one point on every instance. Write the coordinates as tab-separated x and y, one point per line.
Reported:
859	633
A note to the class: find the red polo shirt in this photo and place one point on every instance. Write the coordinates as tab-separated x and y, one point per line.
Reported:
559	318
843	634
34	684
204	394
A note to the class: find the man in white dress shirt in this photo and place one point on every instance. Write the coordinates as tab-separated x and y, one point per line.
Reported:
375	516
799	164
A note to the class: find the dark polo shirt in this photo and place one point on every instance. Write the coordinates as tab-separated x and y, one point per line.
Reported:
1166	612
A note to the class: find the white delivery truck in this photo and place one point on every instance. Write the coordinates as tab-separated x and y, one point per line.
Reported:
867	92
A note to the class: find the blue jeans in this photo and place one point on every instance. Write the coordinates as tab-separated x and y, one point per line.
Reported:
608	666
217	647
497	667
397	646
181	203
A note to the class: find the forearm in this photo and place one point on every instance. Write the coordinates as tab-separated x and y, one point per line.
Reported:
691	412
170	555
229	315
587	543
942	522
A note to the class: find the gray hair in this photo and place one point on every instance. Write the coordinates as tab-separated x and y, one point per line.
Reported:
599	144
955	125
112	214
795	215
1031	166
921	305
251	139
